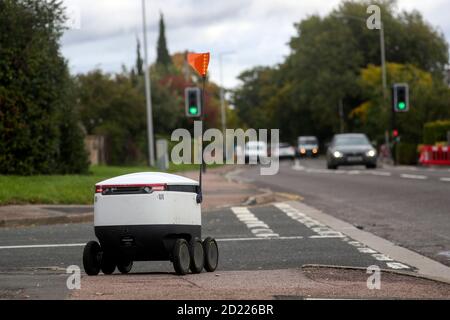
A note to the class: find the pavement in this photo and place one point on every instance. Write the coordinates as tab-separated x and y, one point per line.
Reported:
297	250
283	284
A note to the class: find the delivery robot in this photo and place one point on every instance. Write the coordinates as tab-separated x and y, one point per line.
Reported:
149	216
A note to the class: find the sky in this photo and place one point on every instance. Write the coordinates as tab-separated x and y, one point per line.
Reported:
246	33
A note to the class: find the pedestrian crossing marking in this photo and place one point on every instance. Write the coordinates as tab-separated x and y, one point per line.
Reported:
321	230
259	228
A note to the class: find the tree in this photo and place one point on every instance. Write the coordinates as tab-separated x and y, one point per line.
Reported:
429	99
114	107
163	57
302	94
139	61
35	92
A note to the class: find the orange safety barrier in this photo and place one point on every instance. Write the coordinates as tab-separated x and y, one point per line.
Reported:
435	155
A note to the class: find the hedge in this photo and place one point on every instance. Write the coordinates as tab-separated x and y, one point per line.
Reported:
435	131
406	153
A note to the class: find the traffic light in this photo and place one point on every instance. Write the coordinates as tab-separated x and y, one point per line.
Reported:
400	97
395	133
193	104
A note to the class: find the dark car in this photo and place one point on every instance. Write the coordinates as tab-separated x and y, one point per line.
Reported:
307	146
351	149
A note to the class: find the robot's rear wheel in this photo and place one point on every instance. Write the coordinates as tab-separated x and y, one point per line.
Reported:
92	256
181	257
108	265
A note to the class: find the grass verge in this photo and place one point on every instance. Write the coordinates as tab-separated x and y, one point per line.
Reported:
65	189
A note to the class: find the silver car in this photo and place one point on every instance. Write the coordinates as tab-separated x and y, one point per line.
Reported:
351	149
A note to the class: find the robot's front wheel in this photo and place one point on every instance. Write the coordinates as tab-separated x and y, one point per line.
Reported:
197	256
92	256
211	251
181	257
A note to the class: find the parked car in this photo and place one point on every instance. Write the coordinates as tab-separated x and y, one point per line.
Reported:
255	151
284	151
351	149
308	146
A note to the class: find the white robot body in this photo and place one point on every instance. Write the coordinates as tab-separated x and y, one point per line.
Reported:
139	216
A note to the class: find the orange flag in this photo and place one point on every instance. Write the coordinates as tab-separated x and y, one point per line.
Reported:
199	61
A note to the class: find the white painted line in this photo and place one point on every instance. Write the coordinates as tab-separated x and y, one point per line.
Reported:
327	236
397	265
381	173
413	176
256	226
445	179
366	250
297	166
262	238
44	246
321	230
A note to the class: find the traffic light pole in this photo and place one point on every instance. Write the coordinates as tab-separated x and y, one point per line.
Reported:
394	139
202	164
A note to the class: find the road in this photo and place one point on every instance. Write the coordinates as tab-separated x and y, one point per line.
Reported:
409	206
33	260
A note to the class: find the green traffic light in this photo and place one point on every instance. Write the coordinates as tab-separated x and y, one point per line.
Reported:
401	105
193	110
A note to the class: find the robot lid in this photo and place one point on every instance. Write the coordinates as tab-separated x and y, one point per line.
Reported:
148	178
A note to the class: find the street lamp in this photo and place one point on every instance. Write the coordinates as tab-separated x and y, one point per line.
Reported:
148	94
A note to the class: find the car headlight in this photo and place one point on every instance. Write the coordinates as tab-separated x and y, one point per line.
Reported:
371	153
302	150
314	150
337	154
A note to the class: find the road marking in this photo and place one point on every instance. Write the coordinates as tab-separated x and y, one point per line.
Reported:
381	173
252	239
396	265
445	179
44	246
413	176
378	256
321	230
297	166
256	226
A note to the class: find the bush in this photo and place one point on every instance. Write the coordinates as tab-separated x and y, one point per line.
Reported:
435	131
37	133
406	153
